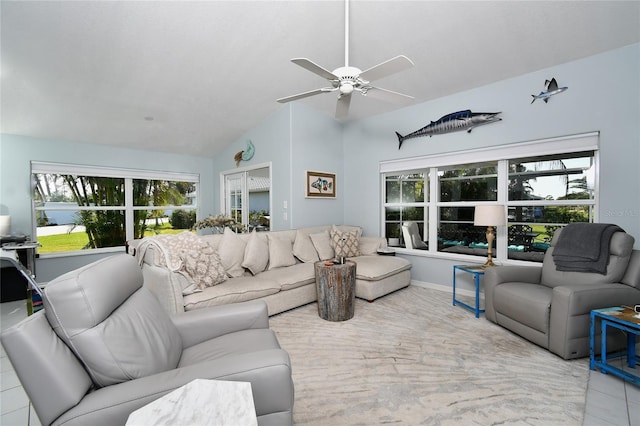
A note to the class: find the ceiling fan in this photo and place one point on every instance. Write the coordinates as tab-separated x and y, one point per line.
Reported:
347	79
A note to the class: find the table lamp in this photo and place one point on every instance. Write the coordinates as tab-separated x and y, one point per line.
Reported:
489	215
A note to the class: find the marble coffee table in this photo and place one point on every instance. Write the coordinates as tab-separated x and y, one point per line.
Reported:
200	402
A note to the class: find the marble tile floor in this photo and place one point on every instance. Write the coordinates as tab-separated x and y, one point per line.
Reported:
610	401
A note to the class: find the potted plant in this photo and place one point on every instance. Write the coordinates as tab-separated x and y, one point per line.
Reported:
218	223
393	235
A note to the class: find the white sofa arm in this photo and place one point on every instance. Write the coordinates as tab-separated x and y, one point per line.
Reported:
165	285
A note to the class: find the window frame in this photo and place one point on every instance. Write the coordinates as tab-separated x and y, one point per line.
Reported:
129	175
502	154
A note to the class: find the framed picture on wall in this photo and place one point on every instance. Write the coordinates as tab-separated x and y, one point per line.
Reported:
320	185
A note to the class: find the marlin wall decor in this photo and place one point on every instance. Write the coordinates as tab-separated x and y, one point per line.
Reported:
454	122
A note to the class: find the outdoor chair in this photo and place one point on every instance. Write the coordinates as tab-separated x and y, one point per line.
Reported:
520	235
412	238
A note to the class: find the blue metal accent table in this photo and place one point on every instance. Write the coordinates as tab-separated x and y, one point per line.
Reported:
477	272
621	318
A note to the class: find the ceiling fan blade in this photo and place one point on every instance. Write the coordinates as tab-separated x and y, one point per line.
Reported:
392	66
342	107
314	68
389	96
305	94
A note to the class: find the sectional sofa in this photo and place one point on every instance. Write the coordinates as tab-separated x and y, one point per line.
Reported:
188	271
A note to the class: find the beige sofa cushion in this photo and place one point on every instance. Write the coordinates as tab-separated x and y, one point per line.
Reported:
322	243
292	276
280	252
303	247
231	251
233	290
370	245
256	254
373	268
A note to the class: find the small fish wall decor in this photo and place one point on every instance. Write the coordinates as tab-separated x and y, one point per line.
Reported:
246	154
454	122
322	185
551	89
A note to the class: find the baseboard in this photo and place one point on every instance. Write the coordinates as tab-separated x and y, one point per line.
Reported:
447	289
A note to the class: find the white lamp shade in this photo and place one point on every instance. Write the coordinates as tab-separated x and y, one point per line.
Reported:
489	215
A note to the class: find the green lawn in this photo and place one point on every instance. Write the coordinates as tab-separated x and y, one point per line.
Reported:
63	242
76	241
542	233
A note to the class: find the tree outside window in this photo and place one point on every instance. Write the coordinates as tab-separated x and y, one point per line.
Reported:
79	212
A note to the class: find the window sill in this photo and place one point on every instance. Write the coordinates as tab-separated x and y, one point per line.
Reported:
462	258
120	249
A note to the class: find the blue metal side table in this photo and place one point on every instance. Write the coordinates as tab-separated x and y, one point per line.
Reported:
477	271
621	318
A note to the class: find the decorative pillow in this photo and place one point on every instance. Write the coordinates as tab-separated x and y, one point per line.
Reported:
303	248
256	254
231	250
322	243
280	252
347	228
345	244
206	267
188	254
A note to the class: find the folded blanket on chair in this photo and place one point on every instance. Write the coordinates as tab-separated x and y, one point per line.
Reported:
584	247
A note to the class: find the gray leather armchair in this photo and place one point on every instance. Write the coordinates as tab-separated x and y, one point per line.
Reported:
104	347
551	308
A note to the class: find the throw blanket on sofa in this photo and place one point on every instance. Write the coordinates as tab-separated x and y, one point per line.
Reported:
188	255
584	247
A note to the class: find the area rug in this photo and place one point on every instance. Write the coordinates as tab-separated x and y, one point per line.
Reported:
412	358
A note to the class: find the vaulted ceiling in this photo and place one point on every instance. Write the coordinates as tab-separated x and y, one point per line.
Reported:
191	77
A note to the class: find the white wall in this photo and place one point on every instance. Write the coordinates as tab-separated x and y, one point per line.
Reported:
317	146
294	139
17	152
271	141
603	95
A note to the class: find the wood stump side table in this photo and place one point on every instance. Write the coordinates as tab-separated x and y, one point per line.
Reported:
336	290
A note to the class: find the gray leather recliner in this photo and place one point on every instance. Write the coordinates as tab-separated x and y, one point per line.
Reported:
552	308
104	347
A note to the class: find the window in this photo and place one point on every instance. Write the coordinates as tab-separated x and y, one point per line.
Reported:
404	201
545	193
459	188
544	185
78	208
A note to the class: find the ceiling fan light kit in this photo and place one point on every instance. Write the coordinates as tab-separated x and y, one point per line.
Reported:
348	79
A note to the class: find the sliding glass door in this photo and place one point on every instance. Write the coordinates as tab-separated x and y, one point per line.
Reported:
247	197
